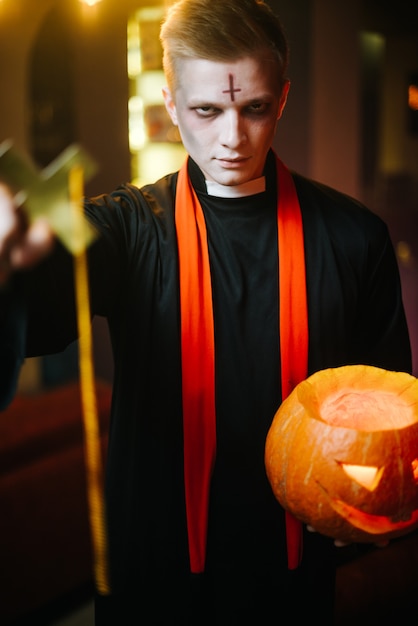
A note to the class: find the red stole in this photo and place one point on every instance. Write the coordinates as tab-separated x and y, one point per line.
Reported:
198	348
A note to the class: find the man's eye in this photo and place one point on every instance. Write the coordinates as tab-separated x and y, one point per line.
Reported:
258	107
206	111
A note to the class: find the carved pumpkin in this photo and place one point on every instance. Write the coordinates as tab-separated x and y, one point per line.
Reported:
342	453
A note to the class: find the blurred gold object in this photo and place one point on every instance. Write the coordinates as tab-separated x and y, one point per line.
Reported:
46	193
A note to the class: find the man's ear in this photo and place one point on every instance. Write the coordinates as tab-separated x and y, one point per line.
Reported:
283	98
170	105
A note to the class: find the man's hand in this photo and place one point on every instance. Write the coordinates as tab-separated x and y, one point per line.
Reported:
49	196
22	245
340	544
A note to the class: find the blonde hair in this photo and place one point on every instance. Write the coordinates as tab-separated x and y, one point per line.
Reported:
222	30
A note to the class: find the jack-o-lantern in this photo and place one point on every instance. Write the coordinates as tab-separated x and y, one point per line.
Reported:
342	453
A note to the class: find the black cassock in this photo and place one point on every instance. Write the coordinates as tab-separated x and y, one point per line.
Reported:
355	316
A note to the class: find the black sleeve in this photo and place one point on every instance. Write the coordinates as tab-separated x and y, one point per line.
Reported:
380	334
356	313
12	343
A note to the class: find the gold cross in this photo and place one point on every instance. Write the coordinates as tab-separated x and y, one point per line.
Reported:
46	193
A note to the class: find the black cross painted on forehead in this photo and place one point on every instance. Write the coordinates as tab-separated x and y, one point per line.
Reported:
231	89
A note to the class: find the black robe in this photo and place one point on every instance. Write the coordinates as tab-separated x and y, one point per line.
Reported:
355	316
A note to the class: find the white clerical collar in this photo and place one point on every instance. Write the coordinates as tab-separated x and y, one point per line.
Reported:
236	191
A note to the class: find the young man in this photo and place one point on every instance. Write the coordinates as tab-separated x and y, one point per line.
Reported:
199	276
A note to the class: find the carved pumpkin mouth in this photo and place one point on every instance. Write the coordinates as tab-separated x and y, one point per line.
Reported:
372	524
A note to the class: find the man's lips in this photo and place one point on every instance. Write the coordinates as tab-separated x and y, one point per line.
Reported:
235	162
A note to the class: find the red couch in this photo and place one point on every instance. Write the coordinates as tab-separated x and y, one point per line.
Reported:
45	542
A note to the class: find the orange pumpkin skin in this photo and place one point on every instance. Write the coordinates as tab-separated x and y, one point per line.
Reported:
353	421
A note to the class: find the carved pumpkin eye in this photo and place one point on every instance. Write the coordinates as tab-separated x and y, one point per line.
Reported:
368	477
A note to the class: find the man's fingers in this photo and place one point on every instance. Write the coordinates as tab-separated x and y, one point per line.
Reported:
337	542
10	220
36	244
341	544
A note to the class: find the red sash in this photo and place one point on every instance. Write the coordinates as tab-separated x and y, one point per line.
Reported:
198	347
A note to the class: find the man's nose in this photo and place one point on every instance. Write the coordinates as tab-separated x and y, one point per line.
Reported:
233	130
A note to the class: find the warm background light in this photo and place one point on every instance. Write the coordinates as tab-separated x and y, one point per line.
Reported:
90	3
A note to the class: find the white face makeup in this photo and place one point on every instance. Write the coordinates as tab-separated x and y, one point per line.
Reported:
227	113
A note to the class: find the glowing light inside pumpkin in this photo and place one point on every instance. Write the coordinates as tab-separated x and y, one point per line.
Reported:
367	410
366	476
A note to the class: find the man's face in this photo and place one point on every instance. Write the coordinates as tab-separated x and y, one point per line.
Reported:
227	113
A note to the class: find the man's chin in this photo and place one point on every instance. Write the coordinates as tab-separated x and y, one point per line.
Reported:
232	179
